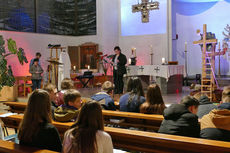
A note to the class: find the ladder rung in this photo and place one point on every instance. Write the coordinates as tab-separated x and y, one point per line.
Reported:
206	86
206	91
206	79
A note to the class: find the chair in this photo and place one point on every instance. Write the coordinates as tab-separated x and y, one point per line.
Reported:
27	85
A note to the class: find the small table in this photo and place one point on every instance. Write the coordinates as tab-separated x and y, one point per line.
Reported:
87	77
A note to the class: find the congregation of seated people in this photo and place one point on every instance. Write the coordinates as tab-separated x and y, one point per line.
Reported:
194	116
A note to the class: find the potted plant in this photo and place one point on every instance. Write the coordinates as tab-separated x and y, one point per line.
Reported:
6	73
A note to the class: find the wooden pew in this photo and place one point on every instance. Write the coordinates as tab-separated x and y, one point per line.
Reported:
11	147
115	118
145	141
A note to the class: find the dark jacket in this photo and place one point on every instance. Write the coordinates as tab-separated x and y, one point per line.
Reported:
36	72
205	106
108	103
134	105
47	138
216	124
121	64
178	120
66	113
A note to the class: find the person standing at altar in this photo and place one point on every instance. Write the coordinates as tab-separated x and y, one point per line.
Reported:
38	56
36	71
119	60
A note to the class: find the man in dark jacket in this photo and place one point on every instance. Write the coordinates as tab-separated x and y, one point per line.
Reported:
180	119
119	60
205	106
216	124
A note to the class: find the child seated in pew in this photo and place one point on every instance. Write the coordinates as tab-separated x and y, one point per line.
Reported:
181	119
216	124
70	110
154	101
87	134
131	101
66	84
52	90
35	128
104	97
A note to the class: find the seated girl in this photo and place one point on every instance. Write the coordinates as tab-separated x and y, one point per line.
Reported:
131	101
87	134
154	103
36	129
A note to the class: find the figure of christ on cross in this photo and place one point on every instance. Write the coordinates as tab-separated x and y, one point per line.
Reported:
144	7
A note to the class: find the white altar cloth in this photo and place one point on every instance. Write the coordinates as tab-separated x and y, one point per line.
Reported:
164	71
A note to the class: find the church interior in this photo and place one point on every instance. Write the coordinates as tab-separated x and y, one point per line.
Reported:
158	69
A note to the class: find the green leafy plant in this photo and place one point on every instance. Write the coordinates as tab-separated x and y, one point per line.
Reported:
6	73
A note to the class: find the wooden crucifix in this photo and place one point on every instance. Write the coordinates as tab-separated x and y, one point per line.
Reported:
208	80
144	7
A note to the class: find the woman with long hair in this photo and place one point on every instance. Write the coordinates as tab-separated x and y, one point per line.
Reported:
87	134
131	101
154	101
36	128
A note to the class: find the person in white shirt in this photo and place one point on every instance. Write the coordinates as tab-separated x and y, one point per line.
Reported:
87	134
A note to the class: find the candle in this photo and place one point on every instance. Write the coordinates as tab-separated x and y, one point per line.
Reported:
151	49
219	46
88	67
185	45
163	60
129	61
134	52
74	67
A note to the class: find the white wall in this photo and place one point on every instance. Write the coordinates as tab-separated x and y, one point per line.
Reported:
142	43
107	37
215	15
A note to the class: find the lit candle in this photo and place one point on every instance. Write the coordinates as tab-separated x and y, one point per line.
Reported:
88	67
185	45
74	68
163	60
129	61
134	52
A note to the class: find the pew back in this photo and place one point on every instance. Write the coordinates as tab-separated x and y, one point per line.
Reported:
11	147
141	121
145	141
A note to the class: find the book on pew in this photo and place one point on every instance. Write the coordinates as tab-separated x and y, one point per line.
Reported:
117	121
7	114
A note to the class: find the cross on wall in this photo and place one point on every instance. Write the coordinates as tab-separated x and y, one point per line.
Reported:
144	7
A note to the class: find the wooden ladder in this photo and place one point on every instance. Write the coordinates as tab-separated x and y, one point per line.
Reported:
208	84
208	80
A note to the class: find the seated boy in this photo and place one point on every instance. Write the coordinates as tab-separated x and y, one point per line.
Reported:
216	124
70	109
181	119
104	97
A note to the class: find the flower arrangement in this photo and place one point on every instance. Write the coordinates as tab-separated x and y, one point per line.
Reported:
103	61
